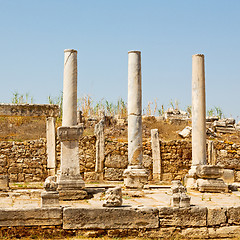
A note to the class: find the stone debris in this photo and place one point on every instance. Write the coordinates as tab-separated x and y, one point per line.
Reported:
113	197
50	197
226	125
186	132
172	113
179	195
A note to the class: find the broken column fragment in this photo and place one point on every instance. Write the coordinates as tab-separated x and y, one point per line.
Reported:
50	197
71	184
135	176
156	155
113	197
179	195
100	148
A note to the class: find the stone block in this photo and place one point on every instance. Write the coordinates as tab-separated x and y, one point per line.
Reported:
70	133
147	161
110	218
195	233
216	216
211	185
224	232
88	176
237	176
209	171
135	177
233	215
50	199
230	163
31	217
228	176
113	197
183	217
4	182
116	161
113	174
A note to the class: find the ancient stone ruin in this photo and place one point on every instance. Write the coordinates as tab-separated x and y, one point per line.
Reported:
76	184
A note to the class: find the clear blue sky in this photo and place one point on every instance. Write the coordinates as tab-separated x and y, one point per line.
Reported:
34	35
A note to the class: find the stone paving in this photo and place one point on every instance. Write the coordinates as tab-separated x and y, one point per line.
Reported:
155	195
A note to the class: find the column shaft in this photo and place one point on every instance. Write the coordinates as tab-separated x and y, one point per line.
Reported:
70	88
134	109
198	111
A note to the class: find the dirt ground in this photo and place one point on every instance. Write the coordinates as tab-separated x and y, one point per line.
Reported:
31	128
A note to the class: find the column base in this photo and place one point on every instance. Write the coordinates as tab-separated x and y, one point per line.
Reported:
206	178
135	177
50	199
211	185
71	188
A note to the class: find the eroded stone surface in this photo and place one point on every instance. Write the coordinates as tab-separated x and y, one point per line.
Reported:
193	216
110	218
216	216
30	217
113	197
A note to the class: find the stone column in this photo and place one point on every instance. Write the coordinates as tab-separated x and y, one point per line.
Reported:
156	155
198	111
70	181
51	146
198	118
100	149
205	178
134	176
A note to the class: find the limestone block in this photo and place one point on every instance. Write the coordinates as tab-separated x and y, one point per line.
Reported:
50	199
186	132
209	171
113	174
147	161
216	216
4	182
195	233
211	185
116	161
90	176
233	215
113	197
135	177
70	133
192	216
31	217
224	232
110	218
228	176
48	110
162	233
237	176
229	163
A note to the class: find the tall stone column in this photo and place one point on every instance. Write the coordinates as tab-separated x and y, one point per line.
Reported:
134	176
198	111
205	178
70	184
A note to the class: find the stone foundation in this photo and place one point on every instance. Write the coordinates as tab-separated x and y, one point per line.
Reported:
163	222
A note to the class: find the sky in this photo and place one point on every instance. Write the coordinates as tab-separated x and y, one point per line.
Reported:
34	35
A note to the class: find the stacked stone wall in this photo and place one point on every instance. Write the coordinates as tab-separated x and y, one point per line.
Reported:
27	161
24	161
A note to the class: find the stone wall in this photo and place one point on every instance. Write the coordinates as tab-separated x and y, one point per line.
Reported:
159	222
24	161
27	161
